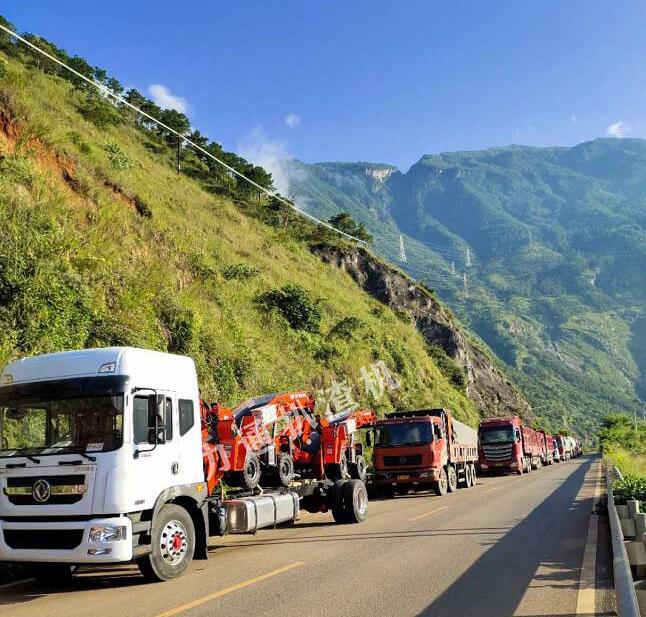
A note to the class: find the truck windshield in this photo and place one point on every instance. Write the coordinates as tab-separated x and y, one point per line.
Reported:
411	433
88	424
496	434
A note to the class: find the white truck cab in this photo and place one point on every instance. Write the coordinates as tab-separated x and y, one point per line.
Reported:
93	443
101	461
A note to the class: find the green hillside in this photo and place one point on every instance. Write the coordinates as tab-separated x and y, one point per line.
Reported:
102	242
555	271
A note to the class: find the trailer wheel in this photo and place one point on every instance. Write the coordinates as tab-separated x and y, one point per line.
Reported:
359	470
355	501
338	471
56	574
441	486
173	544
452	477
249	477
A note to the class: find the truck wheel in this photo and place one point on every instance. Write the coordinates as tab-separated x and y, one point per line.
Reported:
402	489
452	479
335	501
173	543
338	471
388	492
53	574
467	476
441	486
474	475
359	470
355	501
285	469
249	477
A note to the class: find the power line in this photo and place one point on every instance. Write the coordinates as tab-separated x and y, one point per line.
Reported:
108	92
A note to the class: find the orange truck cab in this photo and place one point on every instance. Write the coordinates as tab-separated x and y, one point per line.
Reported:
423	449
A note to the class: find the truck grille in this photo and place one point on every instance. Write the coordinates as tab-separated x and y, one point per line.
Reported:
43	539
394	461
66	489
497	454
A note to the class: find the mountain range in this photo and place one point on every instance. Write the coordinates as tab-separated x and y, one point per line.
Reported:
540	251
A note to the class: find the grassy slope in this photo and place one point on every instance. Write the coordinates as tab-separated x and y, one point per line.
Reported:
79	266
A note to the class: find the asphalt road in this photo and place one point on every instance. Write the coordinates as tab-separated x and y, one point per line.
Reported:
510	546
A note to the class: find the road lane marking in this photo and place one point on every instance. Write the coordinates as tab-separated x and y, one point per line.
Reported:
495	488
586	598
416	518
223	592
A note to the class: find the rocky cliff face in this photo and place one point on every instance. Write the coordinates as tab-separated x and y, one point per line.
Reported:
492	392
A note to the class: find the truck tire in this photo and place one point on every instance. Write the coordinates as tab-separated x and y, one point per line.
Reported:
474	475
52	574
452	478
403	489
338	471
359	470
283	473
173	544
441	486
335	501
468	480
249	477
355	501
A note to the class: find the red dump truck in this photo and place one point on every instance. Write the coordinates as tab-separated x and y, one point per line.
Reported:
506	444
423	449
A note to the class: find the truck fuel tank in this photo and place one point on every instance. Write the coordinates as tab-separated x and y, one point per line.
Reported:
246	514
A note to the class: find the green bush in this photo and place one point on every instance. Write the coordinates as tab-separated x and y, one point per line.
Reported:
99	111
239	271
448	367
346	329
295	305
631	486
179	325
119	160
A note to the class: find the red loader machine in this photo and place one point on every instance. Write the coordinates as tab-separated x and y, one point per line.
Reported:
423	449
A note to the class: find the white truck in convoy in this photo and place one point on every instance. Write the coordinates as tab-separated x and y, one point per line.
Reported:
102	461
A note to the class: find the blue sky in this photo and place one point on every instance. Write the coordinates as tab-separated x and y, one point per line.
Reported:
374	80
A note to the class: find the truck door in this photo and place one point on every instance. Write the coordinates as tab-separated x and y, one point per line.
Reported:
156	465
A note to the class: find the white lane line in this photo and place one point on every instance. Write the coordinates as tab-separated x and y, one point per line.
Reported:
586	598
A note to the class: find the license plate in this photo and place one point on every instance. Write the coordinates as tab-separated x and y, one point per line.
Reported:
403	477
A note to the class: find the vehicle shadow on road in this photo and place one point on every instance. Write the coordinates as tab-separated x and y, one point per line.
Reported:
552	537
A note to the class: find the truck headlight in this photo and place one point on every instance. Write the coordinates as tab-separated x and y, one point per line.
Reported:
107	533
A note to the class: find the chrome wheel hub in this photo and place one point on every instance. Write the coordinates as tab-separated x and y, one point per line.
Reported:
173	543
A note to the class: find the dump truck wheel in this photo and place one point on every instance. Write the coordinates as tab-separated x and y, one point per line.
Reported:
441	486
474	475
355	501
359	470
403	489
173	544
285	469
467	476
452	477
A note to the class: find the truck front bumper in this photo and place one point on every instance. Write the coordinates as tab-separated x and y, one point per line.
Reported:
406	476
64	541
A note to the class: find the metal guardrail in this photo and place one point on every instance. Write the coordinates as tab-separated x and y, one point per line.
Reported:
627	605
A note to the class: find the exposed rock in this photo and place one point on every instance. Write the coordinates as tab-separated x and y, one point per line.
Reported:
487	386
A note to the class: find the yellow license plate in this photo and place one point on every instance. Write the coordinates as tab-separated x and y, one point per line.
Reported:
403	477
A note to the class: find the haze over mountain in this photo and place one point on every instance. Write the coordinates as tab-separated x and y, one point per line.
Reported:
541	251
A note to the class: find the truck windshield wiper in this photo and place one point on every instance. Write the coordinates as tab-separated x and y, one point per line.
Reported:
22	452
84	454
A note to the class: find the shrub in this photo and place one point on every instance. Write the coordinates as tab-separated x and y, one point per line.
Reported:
630	487
119	160
295	305
99	111
346	328
239	271
179	327
453	372
79	142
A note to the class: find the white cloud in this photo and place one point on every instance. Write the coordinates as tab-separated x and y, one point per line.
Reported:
292	120
257	148
166	99
618	129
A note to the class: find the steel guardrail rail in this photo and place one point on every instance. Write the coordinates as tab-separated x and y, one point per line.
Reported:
625	595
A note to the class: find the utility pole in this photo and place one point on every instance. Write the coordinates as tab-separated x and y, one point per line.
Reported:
465	283
402	249
453	268
468	260
179	153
